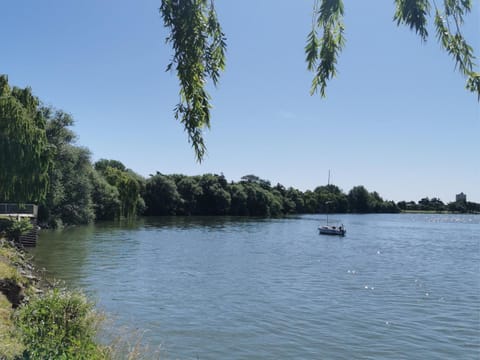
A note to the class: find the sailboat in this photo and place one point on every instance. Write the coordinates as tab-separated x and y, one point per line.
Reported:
331	229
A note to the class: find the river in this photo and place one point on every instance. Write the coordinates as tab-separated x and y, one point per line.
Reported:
403	286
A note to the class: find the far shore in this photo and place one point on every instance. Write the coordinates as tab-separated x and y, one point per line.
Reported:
437	212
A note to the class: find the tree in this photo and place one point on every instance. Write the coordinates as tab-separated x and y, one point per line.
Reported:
190	191
161	196
69	196
24	149
358	199
215	199
129	186
238	205
256	180
106	199
102	165
199	47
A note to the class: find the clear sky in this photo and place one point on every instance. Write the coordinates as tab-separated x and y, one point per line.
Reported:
397	119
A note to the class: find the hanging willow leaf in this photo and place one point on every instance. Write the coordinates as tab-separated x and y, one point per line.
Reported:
414	14
322	54
199	54
473	83
449	35
24	149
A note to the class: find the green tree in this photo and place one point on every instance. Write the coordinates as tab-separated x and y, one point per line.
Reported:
199	48
102	165
402	205
215	198
129	186
106	199
311	203
296	197
161	196
359	199
69	196
239	198
190	191
24	149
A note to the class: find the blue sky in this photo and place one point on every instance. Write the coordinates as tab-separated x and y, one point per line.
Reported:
397	118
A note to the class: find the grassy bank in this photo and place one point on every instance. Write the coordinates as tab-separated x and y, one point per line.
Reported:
39	321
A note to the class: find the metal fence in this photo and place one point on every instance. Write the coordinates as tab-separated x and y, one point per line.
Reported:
23	209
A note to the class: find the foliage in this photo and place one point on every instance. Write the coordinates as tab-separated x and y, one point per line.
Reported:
199	54
59	325
16	228
129	186
331	199
10	346
190	190
362	201
199	48
436	205
322	52
78	193
24	150
105	197
161	196
69	195
102	165
211	194
215	198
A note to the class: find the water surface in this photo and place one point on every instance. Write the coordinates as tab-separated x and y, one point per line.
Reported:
395	287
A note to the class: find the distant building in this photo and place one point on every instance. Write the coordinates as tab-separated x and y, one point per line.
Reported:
461	197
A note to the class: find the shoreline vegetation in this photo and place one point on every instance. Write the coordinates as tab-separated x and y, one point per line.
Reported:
40	319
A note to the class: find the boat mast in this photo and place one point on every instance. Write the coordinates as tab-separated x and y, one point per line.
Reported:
328	187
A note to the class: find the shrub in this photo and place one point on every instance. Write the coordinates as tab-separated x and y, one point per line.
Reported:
15	228
59	325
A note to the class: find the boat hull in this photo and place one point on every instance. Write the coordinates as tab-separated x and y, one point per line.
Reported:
331	230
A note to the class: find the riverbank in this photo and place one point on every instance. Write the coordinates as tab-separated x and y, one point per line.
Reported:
39	320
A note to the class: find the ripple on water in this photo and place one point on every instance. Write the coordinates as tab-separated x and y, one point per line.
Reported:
396	287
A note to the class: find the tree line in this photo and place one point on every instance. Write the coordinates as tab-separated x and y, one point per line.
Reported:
42	163
437	205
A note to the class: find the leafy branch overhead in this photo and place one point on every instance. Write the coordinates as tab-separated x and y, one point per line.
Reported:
322	51
199	54
199	49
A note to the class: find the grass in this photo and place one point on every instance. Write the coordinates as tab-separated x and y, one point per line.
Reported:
11	346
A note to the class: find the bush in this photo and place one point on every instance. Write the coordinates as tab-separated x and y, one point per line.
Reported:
59	325
13	229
